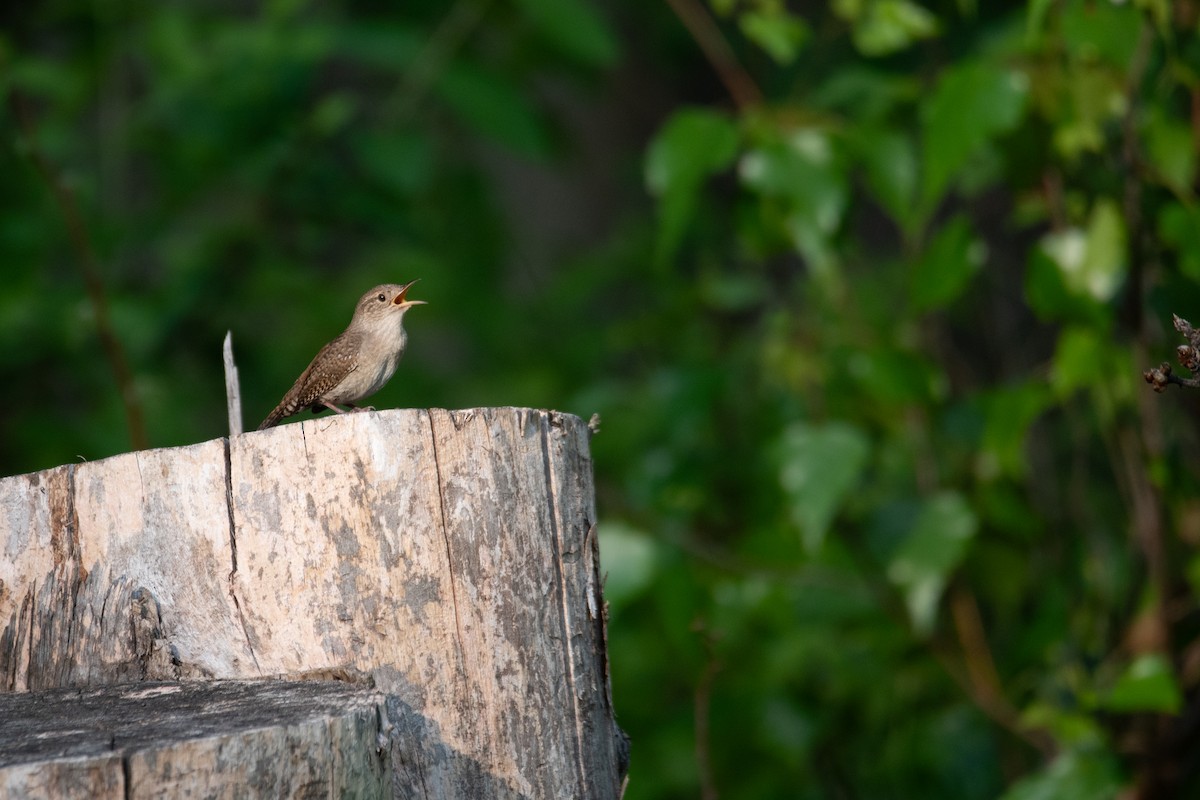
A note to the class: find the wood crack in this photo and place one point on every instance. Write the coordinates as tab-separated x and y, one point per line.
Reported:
29	669
72	522
556	529
237	605
458	629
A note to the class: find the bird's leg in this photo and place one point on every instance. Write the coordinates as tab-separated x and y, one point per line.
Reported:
353	407
332	407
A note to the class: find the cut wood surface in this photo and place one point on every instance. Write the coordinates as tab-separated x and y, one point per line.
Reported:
195	739
448	555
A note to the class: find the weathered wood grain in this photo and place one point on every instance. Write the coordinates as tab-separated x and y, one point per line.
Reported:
451	556
195	739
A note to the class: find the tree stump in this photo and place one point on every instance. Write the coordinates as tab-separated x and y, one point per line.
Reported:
448	558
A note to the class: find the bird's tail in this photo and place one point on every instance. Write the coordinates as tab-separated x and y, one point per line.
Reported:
272	419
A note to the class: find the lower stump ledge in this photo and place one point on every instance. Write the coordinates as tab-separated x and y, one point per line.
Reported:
209	739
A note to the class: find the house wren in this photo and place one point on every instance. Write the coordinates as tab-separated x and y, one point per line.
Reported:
358	362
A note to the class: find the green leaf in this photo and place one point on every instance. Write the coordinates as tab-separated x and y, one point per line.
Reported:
1160	12
575	28
949	263
1070	726
815	247
1050	298
401	161
803	171
970	105
780	34
882	27
494	108
46	78
629	558
332	113
1008	413
1092	261
738	291
866	94
1080	357
1179	226
1172	151
896	377
820	465
386	46
1192	571
1106	31
1035	18
1073	775
1148	684
932	550
1094	98
694	144
891	163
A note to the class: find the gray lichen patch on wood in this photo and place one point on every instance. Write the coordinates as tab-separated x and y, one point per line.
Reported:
450	555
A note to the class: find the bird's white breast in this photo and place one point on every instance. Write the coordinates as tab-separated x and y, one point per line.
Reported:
377	363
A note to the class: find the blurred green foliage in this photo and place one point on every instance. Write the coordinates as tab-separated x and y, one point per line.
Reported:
862	293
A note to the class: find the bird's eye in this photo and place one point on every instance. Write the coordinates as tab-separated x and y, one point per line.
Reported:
382	297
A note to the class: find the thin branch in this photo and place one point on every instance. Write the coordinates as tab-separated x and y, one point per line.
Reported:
89	267
703	706
720	55
1188	354
446	40
1195	117
991	701
1052	189
981	667
1131	201
995	708
1161	377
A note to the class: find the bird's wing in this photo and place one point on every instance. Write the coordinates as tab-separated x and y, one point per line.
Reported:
335	361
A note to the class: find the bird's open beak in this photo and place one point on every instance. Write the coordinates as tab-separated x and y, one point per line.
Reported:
399	299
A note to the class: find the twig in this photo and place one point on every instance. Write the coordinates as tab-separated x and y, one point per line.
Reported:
1195	117
982	681
441	46
708	36
979	687
703	707
981	667
88	263
233	391
1131	201
1188	354
1052	189
998	710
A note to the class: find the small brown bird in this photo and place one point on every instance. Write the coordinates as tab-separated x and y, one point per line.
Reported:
358	362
